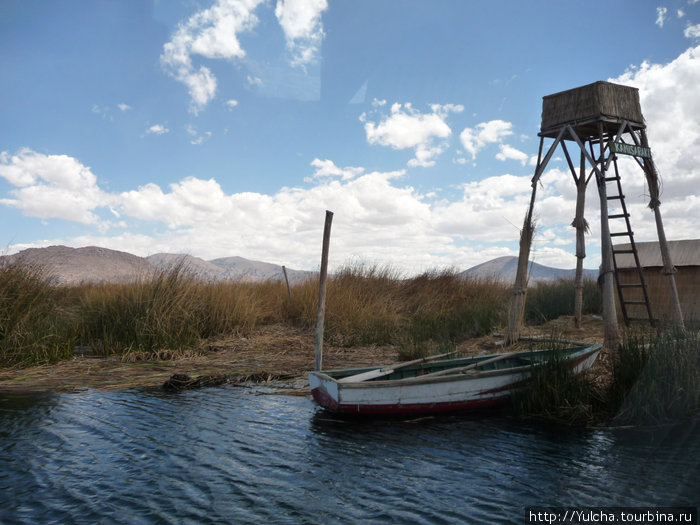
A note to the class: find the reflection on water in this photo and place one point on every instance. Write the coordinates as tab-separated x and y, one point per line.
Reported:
235	455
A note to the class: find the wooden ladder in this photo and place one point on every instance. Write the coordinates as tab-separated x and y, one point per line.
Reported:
624	291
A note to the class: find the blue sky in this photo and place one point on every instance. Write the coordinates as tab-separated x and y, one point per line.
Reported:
221	128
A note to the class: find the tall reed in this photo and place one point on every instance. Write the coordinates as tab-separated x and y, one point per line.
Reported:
443	305
152	313
170	309
555	393
656	378
35	326
549	300
237	307
374	305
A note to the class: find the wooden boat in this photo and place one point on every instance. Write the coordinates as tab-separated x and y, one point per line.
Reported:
429	385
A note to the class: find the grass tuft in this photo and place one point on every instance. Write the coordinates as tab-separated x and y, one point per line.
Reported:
35	326
556	394
550	300
656	379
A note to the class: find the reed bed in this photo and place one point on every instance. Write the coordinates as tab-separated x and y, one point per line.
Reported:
35	325
656	378
653	378
171	310
557	395
550	300
375	305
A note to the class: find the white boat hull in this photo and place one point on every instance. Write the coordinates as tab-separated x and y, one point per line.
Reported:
473	390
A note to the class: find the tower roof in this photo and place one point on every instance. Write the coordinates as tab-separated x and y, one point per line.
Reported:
585	107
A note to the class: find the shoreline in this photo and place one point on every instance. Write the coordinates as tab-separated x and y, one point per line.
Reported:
276	355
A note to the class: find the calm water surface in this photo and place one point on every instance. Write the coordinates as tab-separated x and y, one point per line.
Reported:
239	455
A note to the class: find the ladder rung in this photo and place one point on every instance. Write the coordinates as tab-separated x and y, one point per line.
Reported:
636	302
608	179
639	285
646	319
618	216
620	234
623	251
616	197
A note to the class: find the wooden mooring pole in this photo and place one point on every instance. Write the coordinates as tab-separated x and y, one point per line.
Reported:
322	290
286	280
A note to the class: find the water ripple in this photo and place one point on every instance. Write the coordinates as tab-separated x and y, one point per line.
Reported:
232	455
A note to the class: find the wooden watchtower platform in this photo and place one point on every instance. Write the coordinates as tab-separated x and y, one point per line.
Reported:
604	120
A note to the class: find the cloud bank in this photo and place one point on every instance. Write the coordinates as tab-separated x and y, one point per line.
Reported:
379	217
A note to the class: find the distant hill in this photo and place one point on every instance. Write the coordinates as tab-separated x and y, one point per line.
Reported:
190	265
505	268
90	264
95	265
240	269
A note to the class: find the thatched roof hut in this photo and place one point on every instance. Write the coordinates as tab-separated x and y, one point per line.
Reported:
686	259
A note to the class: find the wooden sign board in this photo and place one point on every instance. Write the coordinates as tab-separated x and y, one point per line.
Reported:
630	149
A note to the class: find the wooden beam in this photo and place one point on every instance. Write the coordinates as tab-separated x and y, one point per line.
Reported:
568	160
612	333
670	270
589	158
581	228
322	290
542	165
381	372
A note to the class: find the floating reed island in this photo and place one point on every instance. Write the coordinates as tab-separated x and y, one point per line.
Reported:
141	334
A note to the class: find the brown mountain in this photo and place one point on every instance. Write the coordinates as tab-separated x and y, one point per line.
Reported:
504	269
240	269
190	265
91	264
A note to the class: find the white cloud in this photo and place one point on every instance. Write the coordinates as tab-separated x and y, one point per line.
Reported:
510	153
661	16
379	217
230	104
671	108
475	139
327	168
157	129
406	127
692	31
301	22
211	33
123	107
254	81
51	186
197	138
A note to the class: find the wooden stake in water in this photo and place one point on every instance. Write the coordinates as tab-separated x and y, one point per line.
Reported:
322	290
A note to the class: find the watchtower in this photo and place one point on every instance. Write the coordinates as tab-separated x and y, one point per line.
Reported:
604	120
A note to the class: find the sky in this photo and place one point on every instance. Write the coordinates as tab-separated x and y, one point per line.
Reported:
227	127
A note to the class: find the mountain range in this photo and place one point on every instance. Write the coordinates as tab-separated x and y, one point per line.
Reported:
93	264
505	268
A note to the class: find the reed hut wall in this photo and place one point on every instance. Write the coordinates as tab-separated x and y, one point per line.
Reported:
595	101
686	258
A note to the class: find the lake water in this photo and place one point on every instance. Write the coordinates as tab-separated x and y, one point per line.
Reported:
241	455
